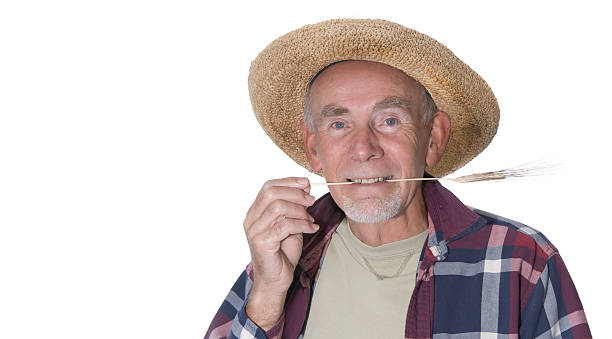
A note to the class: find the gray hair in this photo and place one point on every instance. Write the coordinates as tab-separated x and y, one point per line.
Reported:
428	106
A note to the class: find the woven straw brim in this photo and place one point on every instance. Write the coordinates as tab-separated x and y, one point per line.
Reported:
279	76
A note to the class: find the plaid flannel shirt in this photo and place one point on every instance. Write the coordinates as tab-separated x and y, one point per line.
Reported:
479	276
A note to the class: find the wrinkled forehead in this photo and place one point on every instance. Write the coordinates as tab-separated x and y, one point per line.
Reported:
373	66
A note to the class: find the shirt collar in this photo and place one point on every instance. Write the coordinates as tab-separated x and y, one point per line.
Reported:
449	219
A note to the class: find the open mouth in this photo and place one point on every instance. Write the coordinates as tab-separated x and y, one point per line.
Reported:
368	180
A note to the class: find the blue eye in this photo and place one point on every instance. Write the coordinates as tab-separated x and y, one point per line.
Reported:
338	125
391	122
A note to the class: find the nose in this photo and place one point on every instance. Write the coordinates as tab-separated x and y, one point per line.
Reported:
365	145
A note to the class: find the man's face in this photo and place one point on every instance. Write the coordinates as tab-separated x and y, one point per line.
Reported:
368	126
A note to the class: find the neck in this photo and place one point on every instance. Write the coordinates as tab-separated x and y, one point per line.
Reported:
410	222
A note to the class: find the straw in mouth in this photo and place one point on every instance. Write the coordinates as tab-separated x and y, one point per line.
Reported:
384	180
534	168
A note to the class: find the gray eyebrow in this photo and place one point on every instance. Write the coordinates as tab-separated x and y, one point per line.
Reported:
331	111
393	102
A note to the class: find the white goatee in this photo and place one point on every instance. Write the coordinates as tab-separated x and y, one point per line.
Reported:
373	210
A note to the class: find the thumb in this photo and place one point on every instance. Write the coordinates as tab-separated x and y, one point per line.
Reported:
292	247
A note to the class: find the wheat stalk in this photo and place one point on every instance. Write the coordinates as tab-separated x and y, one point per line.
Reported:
531	169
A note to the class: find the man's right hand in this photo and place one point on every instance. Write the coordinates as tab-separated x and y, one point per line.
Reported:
274	225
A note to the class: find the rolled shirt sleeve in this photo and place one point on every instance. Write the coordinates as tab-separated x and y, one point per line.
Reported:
231	320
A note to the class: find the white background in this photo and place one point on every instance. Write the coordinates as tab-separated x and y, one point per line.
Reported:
129	153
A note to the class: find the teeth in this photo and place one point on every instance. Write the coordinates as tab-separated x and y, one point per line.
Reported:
369	181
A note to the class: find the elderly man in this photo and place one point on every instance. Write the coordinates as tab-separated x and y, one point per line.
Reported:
378	258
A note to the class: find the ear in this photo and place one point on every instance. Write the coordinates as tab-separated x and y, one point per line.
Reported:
308	138
438	138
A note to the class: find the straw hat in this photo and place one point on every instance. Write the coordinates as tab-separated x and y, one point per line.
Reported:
279	75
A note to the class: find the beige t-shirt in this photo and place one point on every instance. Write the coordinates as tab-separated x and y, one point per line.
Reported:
349	301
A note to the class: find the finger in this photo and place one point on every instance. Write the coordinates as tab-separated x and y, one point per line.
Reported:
295	182
273	190
276	210
288	209
284	228
307	188
271	194
292	247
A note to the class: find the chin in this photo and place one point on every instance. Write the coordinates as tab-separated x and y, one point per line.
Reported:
373	210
